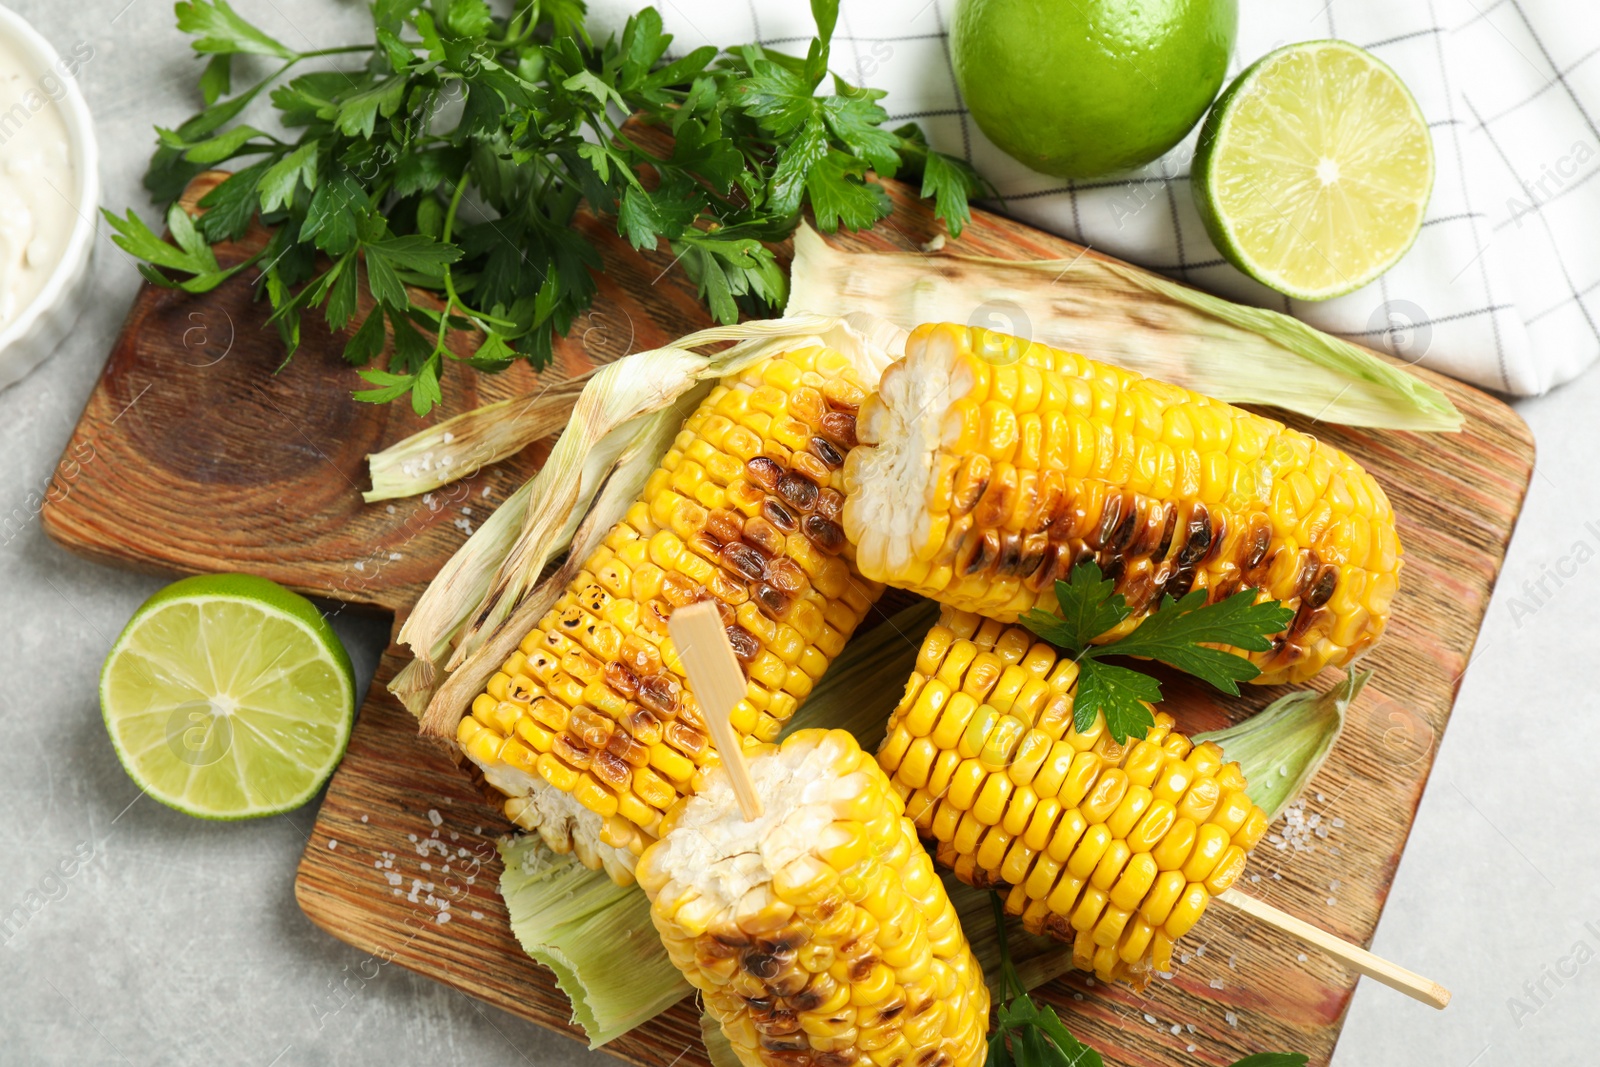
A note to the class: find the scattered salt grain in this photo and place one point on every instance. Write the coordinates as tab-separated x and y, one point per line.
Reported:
389	508
442	918
1176	1029
1077	996
467	512
1334	885
1337	824
360	566
394	556
392	878
448	437
333	844
1321	799
454	836
363	818
1332	901
485	491
1215	983
1191	1028
1301	957
477	915
1191	1048
1231	1019
1151	1019
434	817
427	866
413	838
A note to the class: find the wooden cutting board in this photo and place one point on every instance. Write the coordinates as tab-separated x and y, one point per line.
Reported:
193	455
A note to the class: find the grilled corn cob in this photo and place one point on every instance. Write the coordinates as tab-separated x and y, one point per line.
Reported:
990	466
744	511
818	932
1116	849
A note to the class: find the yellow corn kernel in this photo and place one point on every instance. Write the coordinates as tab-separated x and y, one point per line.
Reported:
1191	905
1162	896
1210	843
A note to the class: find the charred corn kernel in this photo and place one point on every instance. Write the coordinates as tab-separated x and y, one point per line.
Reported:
1006	492
796	966
1091	834
745	510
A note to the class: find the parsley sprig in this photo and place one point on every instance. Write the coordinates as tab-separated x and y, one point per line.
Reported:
454	157
1028	1035
1179	633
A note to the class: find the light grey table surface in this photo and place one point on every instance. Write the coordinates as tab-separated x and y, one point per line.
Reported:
180	942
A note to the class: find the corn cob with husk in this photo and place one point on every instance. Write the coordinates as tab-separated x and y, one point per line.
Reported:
818	932
1114	848
989	467
587	727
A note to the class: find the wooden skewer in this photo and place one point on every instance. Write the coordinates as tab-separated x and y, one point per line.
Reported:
1353	956
719	685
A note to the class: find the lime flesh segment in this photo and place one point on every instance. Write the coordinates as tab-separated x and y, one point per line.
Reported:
228	697
1314	170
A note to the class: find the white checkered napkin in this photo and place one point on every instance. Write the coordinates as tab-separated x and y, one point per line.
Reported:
1501	286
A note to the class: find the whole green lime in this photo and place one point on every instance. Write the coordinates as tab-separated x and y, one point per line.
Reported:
1083	88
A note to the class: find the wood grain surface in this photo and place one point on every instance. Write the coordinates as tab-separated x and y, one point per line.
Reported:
193	455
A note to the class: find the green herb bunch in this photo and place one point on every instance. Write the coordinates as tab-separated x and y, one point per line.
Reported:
455	156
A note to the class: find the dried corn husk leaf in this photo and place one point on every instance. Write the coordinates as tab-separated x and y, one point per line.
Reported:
1129	317
620	426
461	445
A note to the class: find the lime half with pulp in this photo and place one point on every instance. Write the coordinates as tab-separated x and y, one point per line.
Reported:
228	697
1314	169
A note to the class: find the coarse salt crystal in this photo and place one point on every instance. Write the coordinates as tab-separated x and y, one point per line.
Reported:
1301	957
434	817
393	556
1231	1019
1176	1029
360	566
363	818
389	508
442	918
477	915
1191	1048
1151	1019
333	844
1215	983
448	437
427	866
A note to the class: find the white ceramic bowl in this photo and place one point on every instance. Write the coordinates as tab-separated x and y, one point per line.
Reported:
34	334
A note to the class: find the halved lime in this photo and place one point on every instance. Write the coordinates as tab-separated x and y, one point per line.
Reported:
228	697
1314	169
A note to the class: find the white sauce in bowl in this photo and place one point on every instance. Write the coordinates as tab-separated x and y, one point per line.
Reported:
37	183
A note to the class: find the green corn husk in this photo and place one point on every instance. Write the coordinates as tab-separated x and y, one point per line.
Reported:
1129	317
594	934
1282	747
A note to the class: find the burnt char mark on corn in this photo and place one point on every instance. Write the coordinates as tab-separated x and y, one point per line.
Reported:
742	512
1113	848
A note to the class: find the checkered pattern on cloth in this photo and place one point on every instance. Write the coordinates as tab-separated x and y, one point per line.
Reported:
1501	286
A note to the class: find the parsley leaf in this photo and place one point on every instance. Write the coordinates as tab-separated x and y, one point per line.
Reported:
219	29
1178	633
